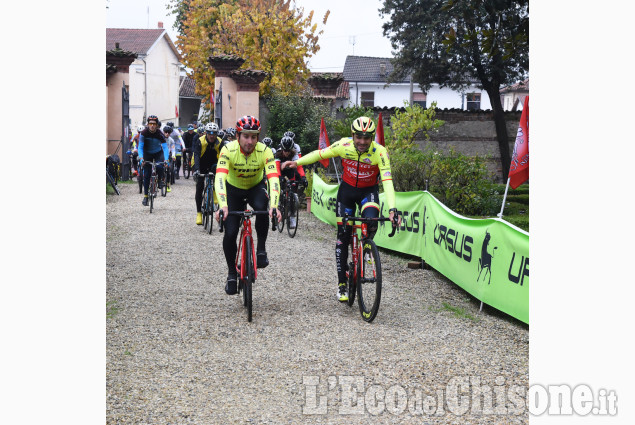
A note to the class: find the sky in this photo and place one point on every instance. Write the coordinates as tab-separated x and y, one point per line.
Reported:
354	27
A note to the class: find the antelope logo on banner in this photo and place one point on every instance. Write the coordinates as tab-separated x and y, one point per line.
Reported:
485	262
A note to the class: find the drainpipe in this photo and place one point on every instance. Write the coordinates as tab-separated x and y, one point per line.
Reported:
356	94
145	89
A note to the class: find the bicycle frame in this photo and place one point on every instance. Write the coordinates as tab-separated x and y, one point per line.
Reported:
240	254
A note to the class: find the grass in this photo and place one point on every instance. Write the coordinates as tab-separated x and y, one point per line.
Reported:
457	311
111	309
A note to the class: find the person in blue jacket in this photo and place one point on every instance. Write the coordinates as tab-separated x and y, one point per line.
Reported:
152	146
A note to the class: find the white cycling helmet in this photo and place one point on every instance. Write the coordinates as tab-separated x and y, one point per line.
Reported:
140	128
211	127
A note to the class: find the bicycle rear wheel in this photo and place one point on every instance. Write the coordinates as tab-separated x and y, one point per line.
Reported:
249	276
369	282
294	205
353	276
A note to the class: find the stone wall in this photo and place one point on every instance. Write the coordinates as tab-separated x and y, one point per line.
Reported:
470	133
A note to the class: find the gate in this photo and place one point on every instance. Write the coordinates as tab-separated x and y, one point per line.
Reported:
125	132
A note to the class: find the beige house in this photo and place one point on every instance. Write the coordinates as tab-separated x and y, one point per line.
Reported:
154	78
513	97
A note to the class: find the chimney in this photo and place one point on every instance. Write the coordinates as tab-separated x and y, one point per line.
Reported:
382	69
161	25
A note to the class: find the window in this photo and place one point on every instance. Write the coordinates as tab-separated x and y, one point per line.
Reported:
420	99
368	99
473	101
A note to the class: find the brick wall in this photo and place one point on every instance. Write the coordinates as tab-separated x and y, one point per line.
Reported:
470	133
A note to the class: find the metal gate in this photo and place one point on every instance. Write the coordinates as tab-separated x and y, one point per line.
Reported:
125	132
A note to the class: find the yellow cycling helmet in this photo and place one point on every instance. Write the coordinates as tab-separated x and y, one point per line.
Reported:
363	126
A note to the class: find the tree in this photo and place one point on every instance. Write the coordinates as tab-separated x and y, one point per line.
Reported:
269	34
450	42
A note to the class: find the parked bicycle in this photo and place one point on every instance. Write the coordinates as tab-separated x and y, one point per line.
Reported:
364	267
112	181
289	206
208	207
246	254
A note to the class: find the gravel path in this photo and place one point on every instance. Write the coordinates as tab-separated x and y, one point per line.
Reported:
180	351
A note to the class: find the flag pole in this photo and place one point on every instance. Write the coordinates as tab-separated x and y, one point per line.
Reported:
500	214
336	173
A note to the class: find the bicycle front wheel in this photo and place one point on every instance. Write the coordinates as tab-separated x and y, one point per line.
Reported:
204	211
283	215
250	276
113	183
369	282
186	168
294	205
210	207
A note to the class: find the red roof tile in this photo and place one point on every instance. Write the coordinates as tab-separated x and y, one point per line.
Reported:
134	40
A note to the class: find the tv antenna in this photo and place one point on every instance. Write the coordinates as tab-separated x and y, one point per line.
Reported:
351	40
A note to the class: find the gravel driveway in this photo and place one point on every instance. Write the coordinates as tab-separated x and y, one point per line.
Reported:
180	351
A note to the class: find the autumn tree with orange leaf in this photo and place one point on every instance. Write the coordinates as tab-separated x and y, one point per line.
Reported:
270	35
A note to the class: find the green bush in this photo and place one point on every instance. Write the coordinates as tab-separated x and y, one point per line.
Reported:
300	113
342	128
460	182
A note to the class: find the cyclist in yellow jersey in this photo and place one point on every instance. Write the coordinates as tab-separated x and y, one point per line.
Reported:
363	161
238	181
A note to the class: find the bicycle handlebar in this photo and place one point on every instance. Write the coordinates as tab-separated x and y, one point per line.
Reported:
395	220
246	213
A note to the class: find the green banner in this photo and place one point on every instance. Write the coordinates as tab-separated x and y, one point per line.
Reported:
489	258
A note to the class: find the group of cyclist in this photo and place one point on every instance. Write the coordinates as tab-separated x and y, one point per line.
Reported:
243	166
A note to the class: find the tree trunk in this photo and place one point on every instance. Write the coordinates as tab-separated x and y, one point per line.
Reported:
501	129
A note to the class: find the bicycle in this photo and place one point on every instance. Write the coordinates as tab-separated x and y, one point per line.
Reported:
166	179
112	181
187	168
208	207
152	189
246	255
289	201
364	267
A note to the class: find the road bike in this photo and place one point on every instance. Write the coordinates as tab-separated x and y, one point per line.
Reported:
187	168
208	207
246	255
364	267
166	179
154	181
289	206
112	181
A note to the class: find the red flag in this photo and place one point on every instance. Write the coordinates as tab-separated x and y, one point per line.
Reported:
176	111
324	142
379	135
519	168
